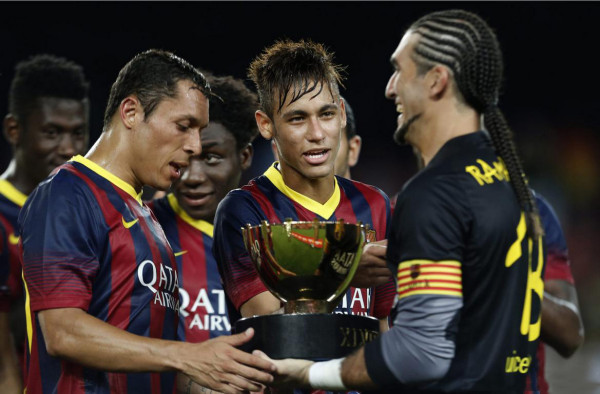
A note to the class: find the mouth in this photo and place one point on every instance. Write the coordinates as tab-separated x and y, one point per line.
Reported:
316	156
194	199
176	168
400	109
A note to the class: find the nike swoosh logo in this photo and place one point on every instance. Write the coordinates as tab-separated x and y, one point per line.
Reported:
129	224
180	253
13	239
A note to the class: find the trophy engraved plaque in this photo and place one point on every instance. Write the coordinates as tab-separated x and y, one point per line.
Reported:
309	267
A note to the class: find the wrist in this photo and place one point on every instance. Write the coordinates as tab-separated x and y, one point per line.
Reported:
173	352
327	375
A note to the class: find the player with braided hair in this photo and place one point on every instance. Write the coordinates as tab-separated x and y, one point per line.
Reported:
465	243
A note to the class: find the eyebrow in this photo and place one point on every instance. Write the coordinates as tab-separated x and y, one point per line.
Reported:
296	112
209	144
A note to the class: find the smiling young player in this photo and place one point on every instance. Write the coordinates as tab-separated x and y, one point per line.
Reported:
301	110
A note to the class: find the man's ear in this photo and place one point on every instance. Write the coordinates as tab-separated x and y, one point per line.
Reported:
12	129
343	112
437	80
354	145
130	111
264	123
246	155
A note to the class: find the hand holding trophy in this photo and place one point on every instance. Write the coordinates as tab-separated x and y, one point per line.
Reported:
307	265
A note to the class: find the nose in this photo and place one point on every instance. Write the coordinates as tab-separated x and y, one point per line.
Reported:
315	131
389	89
66	146
192	145
194	174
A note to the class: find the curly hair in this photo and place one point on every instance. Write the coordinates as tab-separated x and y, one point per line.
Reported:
235	109
44	75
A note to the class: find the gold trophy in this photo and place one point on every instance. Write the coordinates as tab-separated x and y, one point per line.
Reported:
309	267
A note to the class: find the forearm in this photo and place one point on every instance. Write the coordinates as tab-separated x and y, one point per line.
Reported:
264	303
72	334
354	372
561	325
185	385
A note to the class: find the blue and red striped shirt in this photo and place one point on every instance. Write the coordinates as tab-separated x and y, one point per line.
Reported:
268	198
11	287
88	242
203	313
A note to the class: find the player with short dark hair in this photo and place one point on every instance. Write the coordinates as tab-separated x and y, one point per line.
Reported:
100	275
301	110
350	145
47	124
466	240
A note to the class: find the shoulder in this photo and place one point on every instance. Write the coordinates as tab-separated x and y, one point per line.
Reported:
554	236
236	205
368	191
66	190
432	185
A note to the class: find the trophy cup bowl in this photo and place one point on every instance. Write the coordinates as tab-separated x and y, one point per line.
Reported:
309	267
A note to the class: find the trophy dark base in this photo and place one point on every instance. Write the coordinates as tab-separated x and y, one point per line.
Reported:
316	336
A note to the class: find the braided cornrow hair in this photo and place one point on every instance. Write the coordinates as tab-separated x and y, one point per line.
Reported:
464	43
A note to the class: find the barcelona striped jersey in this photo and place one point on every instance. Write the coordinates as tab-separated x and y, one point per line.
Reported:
203	311
267	197
88	242
11	201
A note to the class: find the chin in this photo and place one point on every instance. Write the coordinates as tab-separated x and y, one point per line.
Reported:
319	172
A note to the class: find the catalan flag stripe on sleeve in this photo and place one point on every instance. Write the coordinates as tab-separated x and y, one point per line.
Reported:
429	277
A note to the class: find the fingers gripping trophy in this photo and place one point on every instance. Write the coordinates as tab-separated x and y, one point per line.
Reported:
308	266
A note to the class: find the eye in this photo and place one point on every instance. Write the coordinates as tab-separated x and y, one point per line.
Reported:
328	114
212	159
182	127
296	119
50	132
79	133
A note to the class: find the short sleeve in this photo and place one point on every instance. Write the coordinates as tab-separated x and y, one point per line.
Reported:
558	266
60	231
240	279
383	299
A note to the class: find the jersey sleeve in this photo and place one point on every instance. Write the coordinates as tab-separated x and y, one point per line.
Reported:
240	279
558	266
60	242
385	293
383	299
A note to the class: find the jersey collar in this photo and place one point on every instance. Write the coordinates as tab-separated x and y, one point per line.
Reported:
202	225
121	184
11	193
323	210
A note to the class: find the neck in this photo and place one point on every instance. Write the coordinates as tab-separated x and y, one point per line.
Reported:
447	123
112	153
318	189
18	176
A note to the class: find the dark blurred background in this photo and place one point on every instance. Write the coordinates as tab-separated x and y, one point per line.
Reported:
550	94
